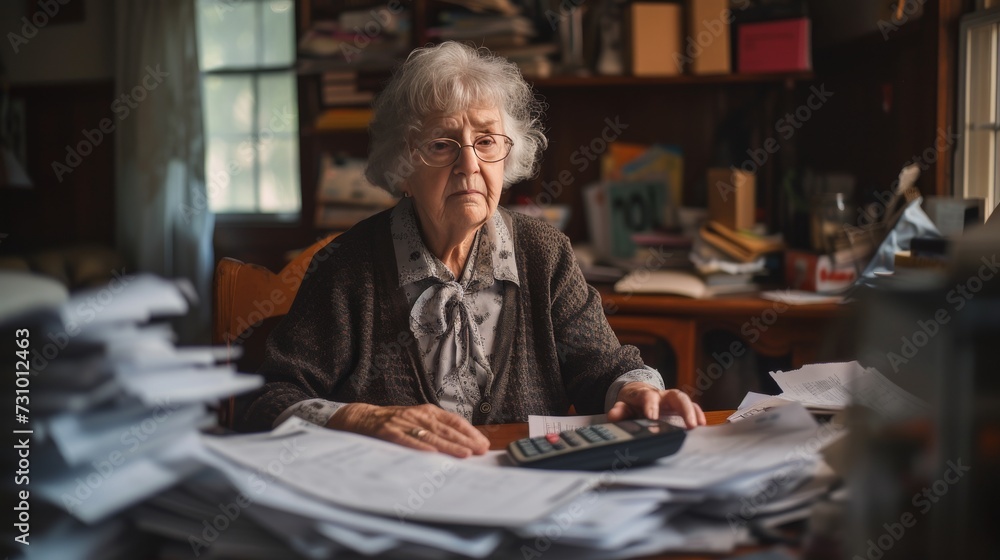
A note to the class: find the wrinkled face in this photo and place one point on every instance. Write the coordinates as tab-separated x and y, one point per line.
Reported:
459	197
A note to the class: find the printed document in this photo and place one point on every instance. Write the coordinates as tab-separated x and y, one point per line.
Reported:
371	475
540	425
837	385
713	454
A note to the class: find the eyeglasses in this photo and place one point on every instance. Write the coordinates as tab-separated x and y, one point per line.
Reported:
442	152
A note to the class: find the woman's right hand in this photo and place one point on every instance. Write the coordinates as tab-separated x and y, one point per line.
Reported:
425	427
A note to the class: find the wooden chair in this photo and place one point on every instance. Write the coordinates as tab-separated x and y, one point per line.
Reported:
246	297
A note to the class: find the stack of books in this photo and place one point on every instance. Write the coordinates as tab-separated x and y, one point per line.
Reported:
371	39
344	196
739	245
341	88
495	30
534	61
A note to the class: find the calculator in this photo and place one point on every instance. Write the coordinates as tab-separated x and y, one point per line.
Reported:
602	446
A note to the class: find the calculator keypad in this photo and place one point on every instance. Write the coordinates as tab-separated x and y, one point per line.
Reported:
597	447
570	438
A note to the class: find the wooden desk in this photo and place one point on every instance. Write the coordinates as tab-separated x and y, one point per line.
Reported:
767	327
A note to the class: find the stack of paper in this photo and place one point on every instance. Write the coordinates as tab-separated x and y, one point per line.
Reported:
116	433
318	492
831	387
114	408
321	493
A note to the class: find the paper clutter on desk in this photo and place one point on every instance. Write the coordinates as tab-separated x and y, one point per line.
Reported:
111	409
831	388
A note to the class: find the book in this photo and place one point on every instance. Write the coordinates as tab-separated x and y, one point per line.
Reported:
344	119
333	96
342	181
740	246
731	197
774	46
678	283
707	48
656	39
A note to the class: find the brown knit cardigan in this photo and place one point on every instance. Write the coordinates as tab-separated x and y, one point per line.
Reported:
347	336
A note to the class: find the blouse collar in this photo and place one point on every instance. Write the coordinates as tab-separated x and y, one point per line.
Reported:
492	255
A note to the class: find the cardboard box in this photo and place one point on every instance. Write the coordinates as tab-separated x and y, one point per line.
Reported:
774	46
656	39
707	45
817	273
731	198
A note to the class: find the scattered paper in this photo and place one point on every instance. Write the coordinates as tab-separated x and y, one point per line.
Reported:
713	454
758	407
469	541
541	425
384	478
835	386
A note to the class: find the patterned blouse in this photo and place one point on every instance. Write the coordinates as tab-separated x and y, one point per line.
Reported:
454	321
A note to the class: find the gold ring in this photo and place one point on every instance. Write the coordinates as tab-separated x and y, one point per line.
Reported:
418	433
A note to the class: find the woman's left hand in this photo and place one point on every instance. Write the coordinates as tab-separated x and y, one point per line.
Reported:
638	400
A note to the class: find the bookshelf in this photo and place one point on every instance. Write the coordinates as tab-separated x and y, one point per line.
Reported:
681	80
562	92
856	133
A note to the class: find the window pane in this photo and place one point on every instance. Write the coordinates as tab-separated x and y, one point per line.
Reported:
279	33
980	118
979	168
278	110
982	96
230	175
227	34
251	117
229	104
279	174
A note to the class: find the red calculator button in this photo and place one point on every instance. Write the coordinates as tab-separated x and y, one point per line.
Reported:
553	438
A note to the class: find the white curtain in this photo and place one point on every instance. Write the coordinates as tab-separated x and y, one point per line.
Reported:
164	225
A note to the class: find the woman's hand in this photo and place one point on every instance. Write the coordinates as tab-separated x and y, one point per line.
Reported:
425	427
638	399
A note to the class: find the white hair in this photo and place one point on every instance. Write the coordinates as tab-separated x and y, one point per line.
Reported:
449	78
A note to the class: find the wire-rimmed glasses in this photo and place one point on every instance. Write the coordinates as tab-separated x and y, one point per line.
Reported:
442	152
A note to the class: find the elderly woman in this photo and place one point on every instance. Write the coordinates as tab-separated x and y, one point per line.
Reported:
447	311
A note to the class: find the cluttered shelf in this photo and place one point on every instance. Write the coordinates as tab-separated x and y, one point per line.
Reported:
681	79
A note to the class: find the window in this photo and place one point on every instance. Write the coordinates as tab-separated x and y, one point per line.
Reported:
977	175
247	51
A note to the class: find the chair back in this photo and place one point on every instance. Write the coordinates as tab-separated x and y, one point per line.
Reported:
246	297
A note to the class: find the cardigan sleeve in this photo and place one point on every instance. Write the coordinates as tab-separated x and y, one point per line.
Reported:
590	356
310	351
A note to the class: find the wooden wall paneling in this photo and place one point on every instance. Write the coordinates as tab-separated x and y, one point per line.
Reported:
80	207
